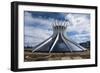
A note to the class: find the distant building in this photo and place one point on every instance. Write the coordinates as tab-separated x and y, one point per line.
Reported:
58	43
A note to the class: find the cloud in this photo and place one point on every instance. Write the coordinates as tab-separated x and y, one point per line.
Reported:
36	30
79	22
80	25
37	21
34	36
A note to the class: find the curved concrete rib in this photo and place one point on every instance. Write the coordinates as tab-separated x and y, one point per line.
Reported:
66	43
75	43
42	45
54	43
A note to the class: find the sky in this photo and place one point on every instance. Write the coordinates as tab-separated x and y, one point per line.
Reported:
38	26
